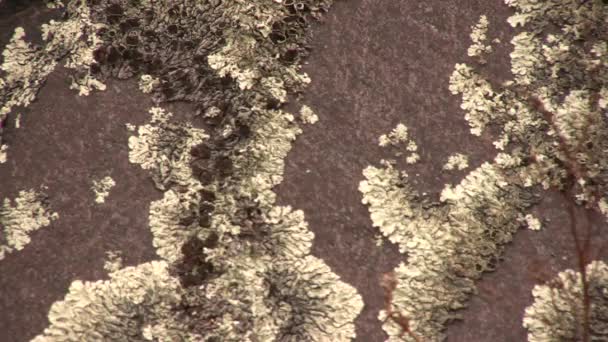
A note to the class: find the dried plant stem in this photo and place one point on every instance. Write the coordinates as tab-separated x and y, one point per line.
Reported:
575	172
389	283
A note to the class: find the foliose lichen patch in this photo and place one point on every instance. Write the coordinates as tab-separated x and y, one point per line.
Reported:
558	309
26	66
235	266
28	212
102	188
551	119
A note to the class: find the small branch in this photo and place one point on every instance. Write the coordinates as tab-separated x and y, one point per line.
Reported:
575	173
389	284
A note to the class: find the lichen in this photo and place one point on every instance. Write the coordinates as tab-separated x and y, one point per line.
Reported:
102	188
532	222
163	148
557	311
147	83
400	136
456	161
135	304
479	36
308	116
27	213
113	261
397	136
230	252
552	101
26	66
449	244
3	149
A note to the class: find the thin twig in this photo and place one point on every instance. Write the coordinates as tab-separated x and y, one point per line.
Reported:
389	283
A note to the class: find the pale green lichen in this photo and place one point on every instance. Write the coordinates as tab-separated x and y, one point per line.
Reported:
147	83
28	213
18	121
557	311
308	116
75	38
134	302
163	148
400	136
25	69
113	261
397	136
3	149
479	36
532	222
456	161
449	244
261	283
102	188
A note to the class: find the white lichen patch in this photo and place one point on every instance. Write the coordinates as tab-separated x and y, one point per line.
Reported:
130	127
113	261
163	148
3	150
479	36
456	161
557	311
387	195
102	188
479	101
447	240
131	301
147	83
532	222
412	158
25	69
397	136
18	219
75	38
307	115
547	114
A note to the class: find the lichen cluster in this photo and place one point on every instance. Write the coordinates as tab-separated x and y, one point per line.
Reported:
456	161
27	213
557	310
235	266
479	36
400	136
102	188
449	243
552	128
26	66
